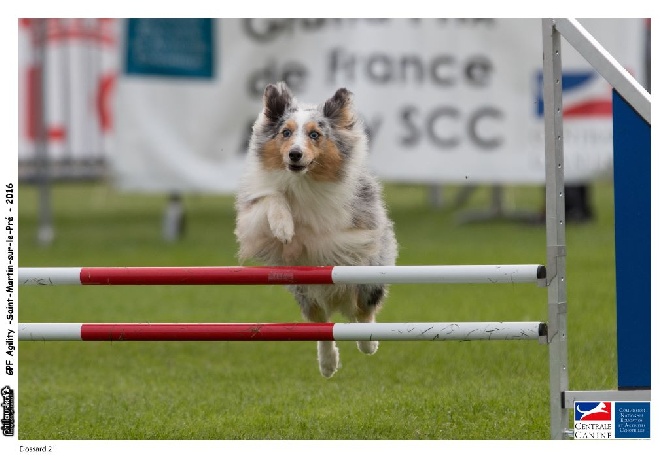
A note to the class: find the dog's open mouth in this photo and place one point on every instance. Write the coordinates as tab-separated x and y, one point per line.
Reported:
298	167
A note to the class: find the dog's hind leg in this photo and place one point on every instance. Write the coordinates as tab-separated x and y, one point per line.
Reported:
368	302
329	357
326	351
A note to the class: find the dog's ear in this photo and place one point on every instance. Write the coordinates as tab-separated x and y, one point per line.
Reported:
339	108
276	99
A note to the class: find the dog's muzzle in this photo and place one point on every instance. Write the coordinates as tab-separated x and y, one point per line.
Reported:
295	158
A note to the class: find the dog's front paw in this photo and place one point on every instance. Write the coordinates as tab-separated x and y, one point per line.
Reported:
281	225
282	230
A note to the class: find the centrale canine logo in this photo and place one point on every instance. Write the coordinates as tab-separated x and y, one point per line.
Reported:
593	411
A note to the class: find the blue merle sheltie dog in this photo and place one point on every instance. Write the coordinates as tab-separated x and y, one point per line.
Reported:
307	198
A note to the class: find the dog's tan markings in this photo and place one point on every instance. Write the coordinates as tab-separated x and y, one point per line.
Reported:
346	119
327	164
291	125
338	109
271	157
311	147
312	126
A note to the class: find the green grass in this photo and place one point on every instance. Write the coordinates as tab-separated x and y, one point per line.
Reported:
236	390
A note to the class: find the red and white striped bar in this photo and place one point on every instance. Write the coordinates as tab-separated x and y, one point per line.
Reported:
266	275
428	331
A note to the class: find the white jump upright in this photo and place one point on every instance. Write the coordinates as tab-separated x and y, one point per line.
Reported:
555	227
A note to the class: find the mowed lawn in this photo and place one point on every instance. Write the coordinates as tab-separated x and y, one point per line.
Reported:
260	390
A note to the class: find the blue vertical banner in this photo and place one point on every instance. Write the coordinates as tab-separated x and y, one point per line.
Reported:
632	231
170	47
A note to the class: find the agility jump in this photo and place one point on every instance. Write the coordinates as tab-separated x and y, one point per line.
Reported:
284	275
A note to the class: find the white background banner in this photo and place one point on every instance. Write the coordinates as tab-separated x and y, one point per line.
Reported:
445	100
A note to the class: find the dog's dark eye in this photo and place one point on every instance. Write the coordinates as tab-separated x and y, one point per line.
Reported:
286	133
314	135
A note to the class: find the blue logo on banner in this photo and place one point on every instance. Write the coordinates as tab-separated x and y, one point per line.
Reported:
181	48
631	420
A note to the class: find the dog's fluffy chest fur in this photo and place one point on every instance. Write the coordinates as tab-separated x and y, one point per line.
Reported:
324	226
318	207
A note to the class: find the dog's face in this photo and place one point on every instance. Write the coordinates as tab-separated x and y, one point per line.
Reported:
313	141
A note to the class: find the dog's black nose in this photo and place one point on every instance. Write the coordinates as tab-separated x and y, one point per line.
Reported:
295	155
